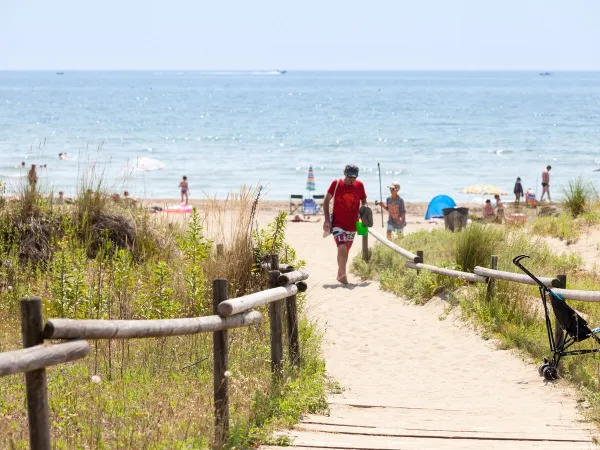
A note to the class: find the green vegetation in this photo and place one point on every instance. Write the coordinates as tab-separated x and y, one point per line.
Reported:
579	196
514	313
104	259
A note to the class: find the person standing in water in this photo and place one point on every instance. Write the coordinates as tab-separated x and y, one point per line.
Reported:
348	194
33	178
185	189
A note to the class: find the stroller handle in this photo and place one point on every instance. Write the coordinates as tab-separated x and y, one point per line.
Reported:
517	262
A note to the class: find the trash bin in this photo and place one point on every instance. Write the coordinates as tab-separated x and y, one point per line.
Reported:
455	218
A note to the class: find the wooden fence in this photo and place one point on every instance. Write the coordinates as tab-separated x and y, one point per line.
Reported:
284	283
481	274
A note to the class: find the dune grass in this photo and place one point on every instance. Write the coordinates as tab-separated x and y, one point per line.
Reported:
513	315
98	258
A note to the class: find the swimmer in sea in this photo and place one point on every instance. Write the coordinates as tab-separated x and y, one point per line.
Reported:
185	190
63	156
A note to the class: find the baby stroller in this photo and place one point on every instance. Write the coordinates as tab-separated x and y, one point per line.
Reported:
571	326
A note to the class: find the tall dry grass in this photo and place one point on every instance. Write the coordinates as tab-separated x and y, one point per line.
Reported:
105	259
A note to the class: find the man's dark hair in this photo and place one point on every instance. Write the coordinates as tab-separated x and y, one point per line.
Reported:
549	167
184	177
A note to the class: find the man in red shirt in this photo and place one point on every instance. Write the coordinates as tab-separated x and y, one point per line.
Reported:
348	194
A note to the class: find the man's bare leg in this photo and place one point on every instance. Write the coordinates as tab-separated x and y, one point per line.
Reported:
342	259
389	235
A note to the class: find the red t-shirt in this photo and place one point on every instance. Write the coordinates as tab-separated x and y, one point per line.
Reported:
346	203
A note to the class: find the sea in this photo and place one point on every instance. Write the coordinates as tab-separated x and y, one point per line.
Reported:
432	132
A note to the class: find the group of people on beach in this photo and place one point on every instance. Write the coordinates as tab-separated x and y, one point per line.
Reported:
497	215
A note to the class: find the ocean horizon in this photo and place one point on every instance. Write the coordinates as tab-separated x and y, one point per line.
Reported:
433	132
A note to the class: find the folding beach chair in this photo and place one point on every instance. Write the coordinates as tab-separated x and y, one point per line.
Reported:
570	327
295	203
319	199
309	207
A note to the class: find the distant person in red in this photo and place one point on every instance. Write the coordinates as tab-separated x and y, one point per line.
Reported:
348	194
546	183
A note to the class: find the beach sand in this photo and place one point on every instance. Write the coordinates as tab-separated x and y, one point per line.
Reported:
417	377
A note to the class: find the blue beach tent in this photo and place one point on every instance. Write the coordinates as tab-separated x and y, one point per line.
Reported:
437	204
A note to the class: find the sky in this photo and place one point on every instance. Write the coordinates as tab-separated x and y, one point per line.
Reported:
540	35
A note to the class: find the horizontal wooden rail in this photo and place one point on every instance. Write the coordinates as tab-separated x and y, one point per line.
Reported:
473	278
516	277
292	277
241	304
584	296
40	356
125	329
408	255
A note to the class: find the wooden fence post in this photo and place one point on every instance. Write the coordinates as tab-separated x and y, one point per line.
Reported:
221	361
558	329
275	319
292	329
491	283
36	384
365	247
219	250
421	257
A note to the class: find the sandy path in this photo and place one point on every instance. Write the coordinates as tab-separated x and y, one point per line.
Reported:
413	381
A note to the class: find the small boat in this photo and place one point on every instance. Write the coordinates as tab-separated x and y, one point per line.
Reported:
60	73
545	73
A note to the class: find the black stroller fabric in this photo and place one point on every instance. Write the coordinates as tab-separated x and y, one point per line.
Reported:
573	323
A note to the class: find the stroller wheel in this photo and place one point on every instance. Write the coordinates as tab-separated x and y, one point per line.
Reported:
550	373
542	368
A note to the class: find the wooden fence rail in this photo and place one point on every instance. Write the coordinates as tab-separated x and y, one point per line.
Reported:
228	314
40	356
487	275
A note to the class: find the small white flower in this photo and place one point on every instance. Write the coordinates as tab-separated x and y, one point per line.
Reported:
227	374
10	288
95	379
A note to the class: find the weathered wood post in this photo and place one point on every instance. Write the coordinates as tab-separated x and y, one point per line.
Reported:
292	329
491	282
219	250
558	329
36	384
221	362
421	259
365	247
275	319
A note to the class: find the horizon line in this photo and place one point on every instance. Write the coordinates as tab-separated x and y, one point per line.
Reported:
300	70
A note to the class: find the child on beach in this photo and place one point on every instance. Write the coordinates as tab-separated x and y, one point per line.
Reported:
394	205
488	211
499	209
184	190
518	191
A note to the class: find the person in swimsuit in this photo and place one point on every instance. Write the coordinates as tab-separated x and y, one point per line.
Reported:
348	194
185	189
546	183
499	209
488	211
33	178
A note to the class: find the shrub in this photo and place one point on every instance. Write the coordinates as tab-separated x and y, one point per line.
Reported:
476	244
579	195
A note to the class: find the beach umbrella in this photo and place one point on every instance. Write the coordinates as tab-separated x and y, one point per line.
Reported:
484	189
310	182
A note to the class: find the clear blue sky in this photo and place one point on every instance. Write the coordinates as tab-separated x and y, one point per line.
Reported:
300	34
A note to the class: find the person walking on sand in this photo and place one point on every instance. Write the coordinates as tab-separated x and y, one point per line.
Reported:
33	178
394	205
518	191
348	194
185	189
546	183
